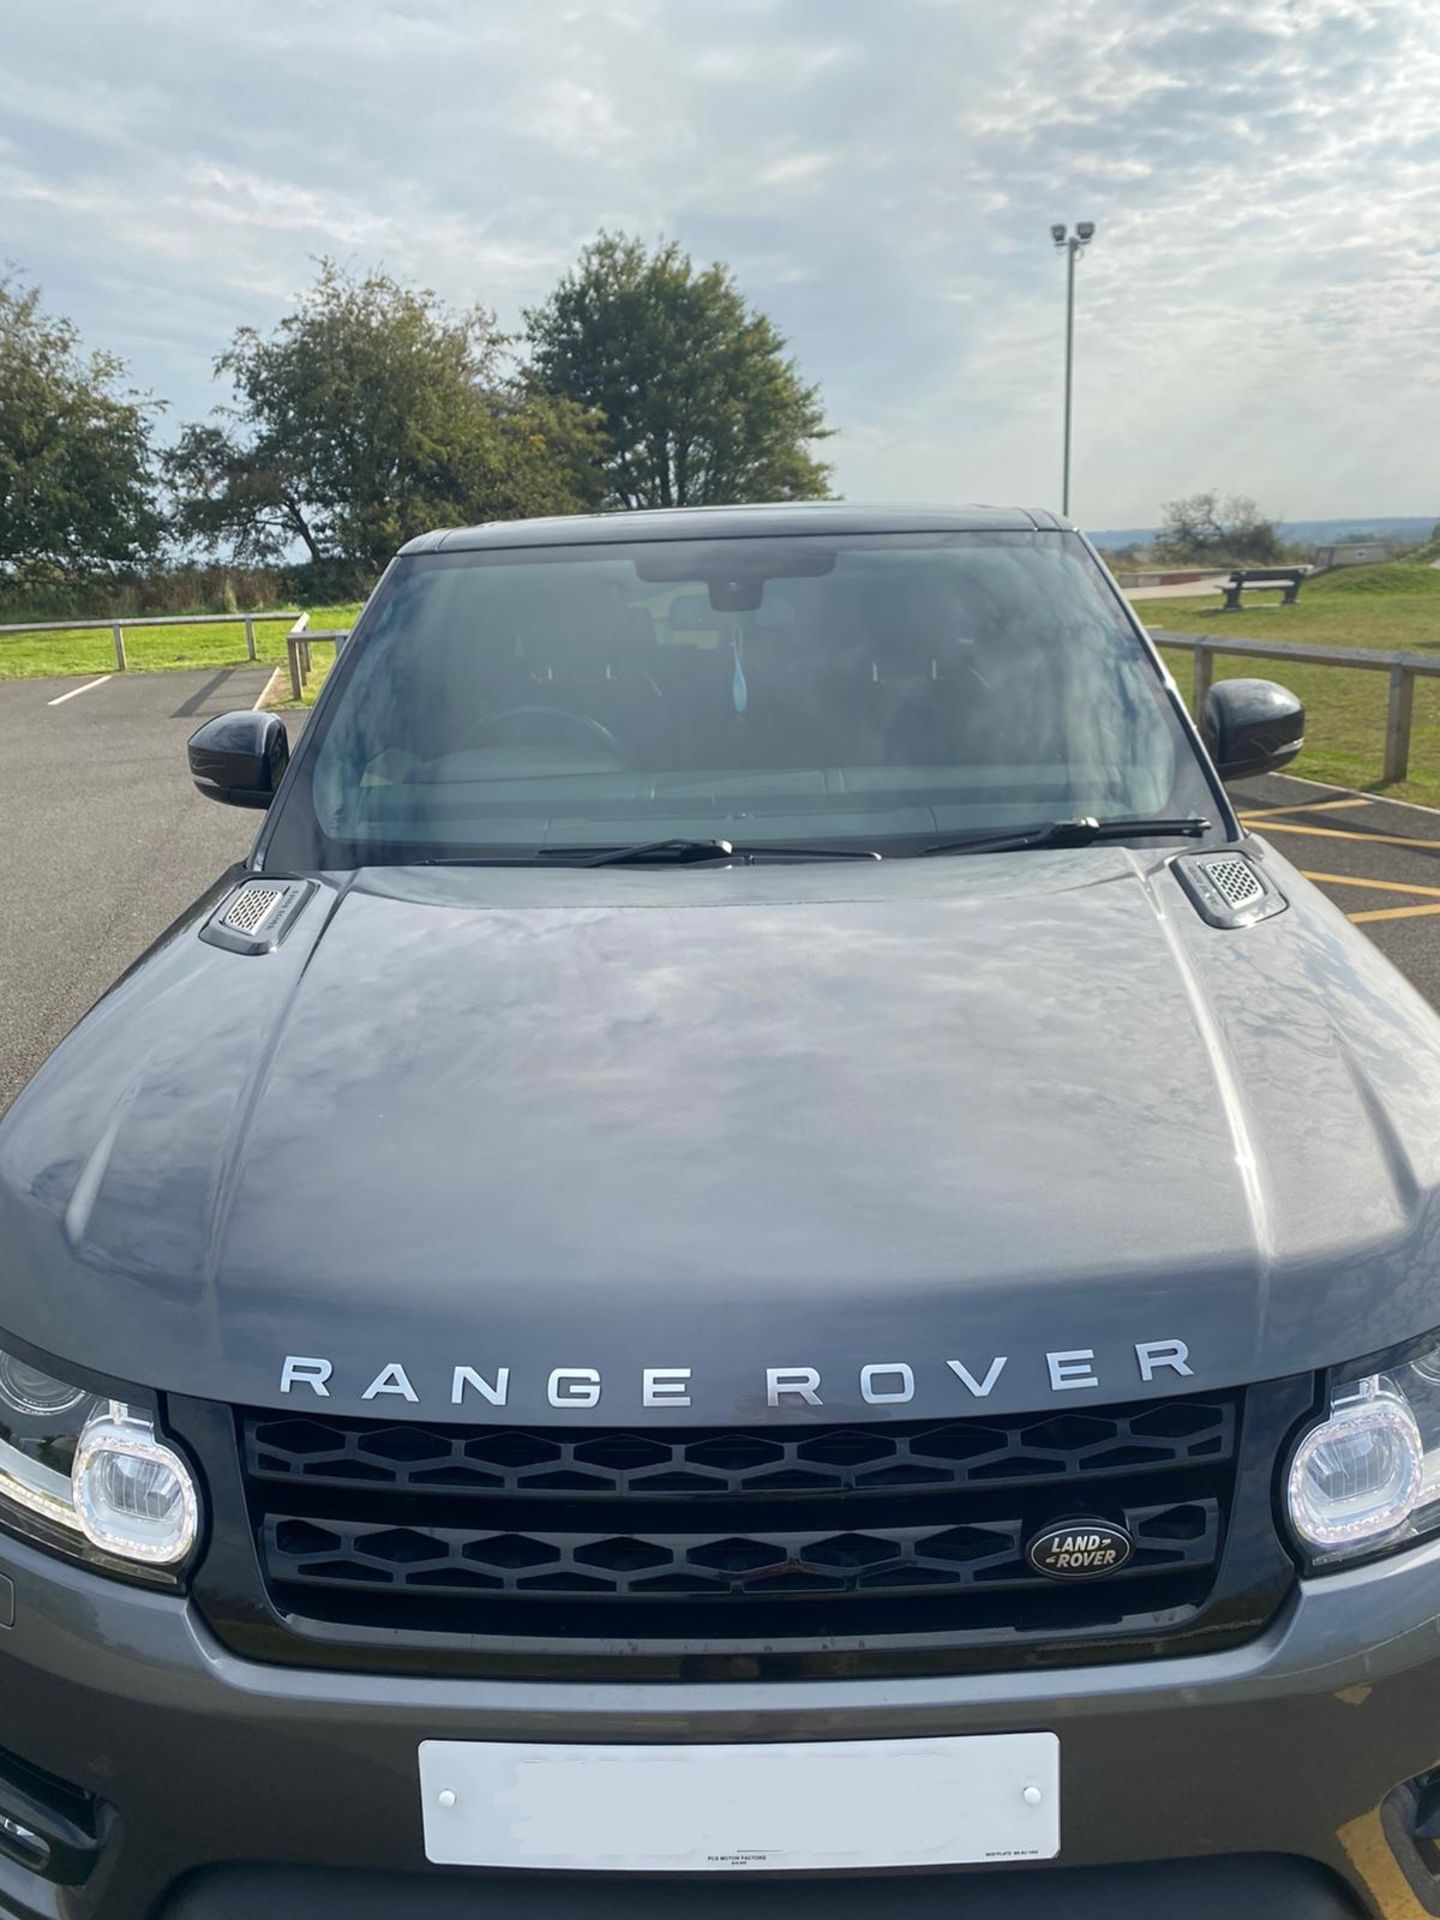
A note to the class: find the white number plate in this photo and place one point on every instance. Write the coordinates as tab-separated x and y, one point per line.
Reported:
855	1803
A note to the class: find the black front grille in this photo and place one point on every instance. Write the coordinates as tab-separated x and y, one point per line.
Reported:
815	1534
420	1560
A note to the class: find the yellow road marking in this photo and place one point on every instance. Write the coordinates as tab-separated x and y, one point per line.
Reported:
1334	833
1271	823
1393	913
1370	1855
1432	894
1320	806
1379	886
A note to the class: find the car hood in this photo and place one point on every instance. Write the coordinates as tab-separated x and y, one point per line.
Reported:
1009	1131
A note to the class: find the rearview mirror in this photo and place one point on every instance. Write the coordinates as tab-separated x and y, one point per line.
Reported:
239	759
1251	726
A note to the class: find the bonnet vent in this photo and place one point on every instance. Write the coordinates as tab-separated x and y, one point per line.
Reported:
257	916
1229	889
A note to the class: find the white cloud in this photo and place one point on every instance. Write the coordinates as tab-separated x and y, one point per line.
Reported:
795	170
1259	309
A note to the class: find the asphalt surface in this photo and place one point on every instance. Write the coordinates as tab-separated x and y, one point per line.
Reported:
1378	859
104	841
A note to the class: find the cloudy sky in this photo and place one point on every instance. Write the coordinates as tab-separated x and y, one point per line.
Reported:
1261	310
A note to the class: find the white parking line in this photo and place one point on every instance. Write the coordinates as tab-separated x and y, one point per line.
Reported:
74	691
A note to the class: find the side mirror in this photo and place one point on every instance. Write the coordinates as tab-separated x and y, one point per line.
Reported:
240	759
1251	726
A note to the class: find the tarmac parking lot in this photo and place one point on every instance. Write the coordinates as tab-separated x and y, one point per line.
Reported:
105	841
1378	859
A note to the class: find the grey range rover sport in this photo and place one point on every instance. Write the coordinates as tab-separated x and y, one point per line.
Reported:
756	1262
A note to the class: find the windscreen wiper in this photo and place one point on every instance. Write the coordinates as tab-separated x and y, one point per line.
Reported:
1073	833
673	853
685	853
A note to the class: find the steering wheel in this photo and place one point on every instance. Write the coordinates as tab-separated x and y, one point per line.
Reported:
577	724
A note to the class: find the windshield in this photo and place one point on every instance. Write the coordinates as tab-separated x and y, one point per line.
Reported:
860	691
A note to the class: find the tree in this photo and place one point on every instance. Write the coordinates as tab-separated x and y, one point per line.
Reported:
76	482
370	414
699	402
1203	527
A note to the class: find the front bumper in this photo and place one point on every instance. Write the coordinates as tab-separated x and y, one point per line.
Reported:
229	1783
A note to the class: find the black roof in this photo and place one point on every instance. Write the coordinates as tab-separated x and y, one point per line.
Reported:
733	523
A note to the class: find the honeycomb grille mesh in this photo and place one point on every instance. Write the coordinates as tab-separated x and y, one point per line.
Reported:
881	1559
1236	880
634	1533
749	1462
252	907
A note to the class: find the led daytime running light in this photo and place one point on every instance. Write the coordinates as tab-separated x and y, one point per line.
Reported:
159	1536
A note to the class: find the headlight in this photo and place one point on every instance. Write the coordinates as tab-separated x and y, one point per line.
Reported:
93	1468
1367	1477
134	1496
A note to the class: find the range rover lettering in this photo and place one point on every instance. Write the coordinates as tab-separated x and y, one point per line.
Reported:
756	1256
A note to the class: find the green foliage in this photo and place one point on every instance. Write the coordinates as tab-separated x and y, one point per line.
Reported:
1202	527
76	489
158	589
370	414
309	583
700	404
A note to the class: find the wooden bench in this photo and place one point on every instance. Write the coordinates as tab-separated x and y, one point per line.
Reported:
1289	578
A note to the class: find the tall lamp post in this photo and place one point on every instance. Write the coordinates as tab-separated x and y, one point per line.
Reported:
1071	245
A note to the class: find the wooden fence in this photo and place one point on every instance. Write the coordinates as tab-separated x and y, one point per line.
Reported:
1404	670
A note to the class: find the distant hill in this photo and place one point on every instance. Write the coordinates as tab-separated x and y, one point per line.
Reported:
1415	527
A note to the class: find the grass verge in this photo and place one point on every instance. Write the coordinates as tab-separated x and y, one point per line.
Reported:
321	661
